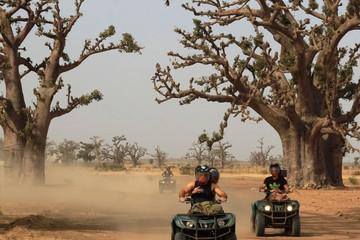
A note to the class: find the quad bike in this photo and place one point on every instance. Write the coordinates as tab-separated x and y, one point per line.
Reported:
167	183
282	213
200	226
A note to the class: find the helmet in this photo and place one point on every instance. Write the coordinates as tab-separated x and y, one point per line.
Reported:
168	168
214	175
202	168
274	169
203	171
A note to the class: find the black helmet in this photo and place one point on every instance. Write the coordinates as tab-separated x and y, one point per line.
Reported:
274	167
214	175
202	168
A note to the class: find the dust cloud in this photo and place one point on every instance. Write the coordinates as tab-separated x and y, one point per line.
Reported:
124	202
124	205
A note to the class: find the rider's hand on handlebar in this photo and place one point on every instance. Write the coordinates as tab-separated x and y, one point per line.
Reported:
223	199
276	190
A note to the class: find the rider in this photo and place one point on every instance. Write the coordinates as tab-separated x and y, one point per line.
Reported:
276	183
203	189
167	173
214	175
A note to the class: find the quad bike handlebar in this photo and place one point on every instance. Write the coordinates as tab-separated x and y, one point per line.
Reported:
270	191
190	200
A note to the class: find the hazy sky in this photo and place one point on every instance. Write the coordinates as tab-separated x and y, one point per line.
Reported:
129	107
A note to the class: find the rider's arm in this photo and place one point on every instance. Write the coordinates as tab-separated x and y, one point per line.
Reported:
287	188
262	188
186	191
223	196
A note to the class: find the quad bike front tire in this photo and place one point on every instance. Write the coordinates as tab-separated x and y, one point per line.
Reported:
231	236
295	231
179	236
259	224
252	224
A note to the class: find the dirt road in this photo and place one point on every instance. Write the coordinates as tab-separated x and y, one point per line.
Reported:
78	204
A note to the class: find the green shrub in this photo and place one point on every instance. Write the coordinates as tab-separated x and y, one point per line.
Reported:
109	167
353	180
356	173
186	170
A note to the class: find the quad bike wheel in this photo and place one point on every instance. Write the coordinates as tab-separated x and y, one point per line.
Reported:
259	224
295	226
294	229
179	236
252	225
231	236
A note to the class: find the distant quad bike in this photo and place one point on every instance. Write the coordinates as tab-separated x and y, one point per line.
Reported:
167	184
200	226
275	214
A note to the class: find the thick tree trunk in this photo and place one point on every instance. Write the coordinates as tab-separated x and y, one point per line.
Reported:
34	164
34	154
312	161
13	156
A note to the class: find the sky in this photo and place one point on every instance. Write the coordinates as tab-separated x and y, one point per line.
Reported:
129	107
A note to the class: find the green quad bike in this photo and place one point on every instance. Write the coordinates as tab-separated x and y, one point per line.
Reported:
199	226
275	214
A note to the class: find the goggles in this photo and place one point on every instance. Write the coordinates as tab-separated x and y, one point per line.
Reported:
274	170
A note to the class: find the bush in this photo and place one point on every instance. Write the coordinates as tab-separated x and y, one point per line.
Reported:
356	173
109	167
353	180
186	170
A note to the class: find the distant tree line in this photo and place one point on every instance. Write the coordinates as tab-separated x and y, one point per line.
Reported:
96	151
217	155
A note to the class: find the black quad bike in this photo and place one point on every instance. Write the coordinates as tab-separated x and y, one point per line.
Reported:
198	226
275	214
167	183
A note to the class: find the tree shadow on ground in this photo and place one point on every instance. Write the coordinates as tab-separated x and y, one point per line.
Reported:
39	222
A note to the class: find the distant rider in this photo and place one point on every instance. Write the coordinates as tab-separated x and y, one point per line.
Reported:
276	184
167	173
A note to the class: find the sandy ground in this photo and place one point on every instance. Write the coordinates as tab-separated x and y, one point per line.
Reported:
82	204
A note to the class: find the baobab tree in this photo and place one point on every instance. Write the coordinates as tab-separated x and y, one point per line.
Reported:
263	156
86	152
26	126
67	151
135	152
293	71
197	152
117	151
159	156
221	151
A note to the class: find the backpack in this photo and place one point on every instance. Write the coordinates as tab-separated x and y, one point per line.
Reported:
207	207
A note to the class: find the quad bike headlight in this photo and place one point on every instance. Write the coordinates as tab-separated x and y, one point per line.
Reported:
267	208
289	208
220	222
189	224
171	181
